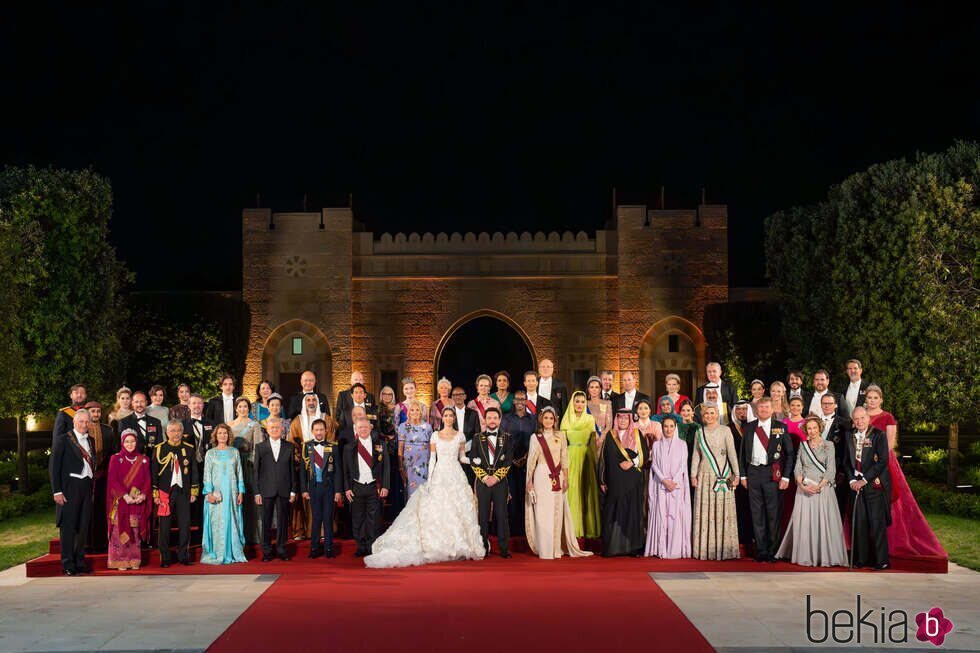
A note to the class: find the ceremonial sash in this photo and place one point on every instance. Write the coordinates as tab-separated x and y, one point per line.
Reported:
813	458
777	467
365	454
163	509
479	407
721	475
554	470
598	431
532	407
130	475
639	451
317	458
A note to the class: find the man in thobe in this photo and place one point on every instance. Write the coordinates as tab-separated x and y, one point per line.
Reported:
345	398
856	388
552	389
222	408
72	471
837	430
714	399
520	424
148	428
63	421
743	513
866	466
623	483
307	382
274	477
725	390
629	397
321	482
366	479
767	461
535	402
491	458
821	386
607	378
101	437
175	488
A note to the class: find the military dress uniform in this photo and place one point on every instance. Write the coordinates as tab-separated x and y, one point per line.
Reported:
321	478
175	481
491	455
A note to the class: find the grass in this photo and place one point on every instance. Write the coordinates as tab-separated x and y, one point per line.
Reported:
26	537
959	536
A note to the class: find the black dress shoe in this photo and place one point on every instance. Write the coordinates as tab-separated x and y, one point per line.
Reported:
186	563
505	554
358	554
69	572
882	566
284	557
164	565
315	554
266	557
329	554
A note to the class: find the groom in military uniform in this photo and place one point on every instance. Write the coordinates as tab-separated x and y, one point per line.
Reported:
490	458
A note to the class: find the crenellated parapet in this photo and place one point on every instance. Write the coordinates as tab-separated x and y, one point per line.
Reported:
497	242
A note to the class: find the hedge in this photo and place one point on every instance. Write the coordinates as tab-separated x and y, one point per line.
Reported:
14	505
936	498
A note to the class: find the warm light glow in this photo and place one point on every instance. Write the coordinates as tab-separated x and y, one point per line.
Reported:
31	423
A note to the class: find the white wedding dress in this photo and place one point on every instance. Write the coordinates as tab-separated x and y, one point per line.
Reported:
439	521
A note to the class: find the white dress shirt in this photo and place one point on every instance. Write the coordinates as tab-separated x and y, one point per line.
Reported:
859	439
276	446
176	478
795	393
827	421
460	421
628	398
364	473
229	404
759	454
815	402
544	387
83	442
853	392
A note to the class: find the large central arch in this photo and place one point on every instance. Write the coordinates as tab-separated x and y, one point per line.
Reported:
482	342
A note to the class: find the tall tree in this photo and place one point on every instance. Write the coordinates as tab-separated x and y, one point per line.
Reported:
886	270
65	284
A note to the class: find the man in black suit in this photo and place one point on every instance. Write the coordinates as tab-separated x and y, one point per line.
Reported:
629	397
856	389
766	462
176	485
551	388
837	430
467	423
821	387
72	471
534	401
63	422
307	381
866	467
794	384
367	477
149	430
321	482
198	428
358	397
345	398
725	390
491	457
607	378
274	478
221	409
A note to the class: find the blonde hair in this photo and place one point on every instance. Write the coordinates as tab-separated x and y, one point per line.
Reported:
784	404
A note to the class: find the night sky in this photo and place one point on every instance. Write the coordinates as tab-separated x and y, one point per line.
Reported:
470	119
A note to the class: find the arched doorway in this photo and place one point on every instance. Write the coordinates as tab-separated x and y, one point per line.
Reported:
290	349
483	343
672	345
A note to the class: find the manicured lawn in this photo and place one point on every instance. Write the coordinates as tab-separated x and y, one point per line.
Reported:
26	537
959	536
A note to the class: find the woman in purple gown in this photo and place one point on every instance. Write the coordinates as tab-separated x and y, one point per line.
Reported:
669	493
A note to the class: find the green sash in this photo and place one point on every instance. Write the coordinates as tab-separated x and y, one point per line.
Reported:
813	458
721	477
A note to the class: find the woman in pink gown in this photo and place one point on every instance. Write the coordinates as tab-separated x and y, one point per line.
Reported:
794	424
909	534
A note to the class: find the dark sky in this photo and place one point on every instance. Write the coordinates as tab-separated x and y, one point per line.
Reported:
470	119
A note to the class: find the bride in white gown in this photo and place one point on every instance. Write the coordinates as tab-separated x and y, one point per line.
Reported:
439	521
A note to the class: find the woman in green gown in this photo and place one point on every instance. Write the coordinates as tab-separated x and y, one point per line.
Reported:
583	486
503	395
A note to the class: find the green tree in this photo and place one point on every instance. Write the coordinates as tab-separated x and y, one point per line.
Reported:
171	353
886	270
64	282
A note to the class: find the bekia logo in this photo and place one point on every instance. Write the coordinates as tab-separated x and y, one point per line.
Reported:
874	625
933	626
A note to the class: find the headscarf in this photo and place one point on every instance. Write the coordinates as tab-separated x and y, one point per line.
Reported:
306	420
657	416
628	440
572	423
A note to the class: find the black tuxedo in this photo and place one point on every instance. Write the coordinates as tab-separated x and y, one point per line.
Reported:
321	493
612	396
64	422
838	435
862	394
620	402
370	409
75	517
295	405
214	409
726	393
872	505
275	481
145	440
808	397
496	496
559	396
365	504
345	402
470	427
539	405
203	444
765	497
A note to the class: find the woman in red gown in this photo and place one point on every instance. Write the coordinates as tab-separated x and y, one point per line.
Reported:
909	534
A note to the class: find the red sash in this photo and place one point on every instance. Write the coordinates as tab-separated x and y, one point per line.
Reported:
777	468
554	470
492	449
317	458
479	407
532	407
365	454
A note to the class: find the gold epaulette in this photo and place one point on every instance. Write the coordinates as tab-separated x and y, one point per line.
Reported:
502	472
479	472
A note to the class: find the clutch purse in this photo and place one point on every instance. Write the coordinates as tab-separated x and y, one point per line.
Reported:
134	492
217	496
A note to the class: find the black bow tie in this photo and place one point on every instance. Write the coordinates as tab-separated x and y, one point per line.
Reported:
492	434
196	421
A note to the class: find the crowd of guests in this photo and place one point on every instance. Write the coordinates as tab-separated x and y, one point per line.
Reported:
791	472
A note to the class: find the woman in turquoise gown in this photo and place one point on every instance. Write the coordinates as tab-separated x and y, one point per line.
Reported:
223	540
